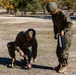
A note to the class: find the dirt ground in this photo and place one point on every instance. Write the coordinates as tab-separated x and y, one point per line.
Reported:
46	59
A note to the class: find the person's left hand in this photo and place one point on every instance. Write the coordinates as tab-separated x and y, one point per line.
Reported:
29	65
62	33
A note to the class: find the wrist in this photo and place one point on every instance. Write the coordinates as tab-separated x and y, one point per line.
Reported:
19	51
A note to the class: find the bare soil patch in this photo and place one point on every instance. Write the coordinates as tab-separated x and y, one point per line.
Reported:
11	26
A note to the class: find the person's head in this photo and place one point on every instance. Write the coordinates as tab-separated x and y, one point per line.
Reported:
52	7
30	34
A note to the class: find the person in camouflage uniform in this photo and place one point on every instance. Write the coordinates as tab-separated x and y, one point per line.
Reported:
23	41
63	26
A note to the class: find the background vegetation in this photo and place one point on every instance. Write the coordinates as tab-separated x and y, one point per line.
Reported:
34	5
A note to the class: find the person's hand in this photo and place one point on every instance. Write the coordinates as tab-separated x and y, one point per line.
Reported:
29	65
55	36
62	33
21	53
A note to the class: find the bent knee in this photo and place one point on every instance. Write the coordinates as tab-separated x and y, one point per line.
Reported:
10	45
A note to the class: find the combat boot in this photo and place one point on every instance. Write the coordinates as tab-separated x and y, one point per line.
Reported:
62	68
13	63
33	60
57	68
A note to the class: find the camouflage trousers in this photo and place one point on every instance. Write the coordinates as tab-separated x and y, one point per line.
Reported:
63	53
11	50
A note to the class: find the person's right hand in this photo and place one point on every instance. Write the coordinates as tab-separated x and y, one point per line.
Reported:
21	53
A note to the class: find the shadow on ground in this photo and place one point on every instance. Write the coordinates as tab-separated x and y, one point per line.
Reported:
42	67
7	62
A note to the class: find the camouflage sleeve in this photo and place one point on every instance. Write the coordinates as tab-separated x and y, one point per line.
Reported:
34	48
54	26
55	29
67	21
18	41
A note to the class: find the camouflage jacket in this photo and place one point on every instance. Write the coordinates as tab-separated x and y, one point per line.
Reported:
21	42
61	22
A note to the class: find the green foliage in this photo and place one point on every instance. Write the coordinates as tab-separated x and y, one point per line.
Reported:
34	6
66	3
69	4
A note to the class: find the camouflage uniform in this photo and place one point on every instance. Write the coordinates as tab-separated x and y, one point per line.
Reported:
22	43
63	22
